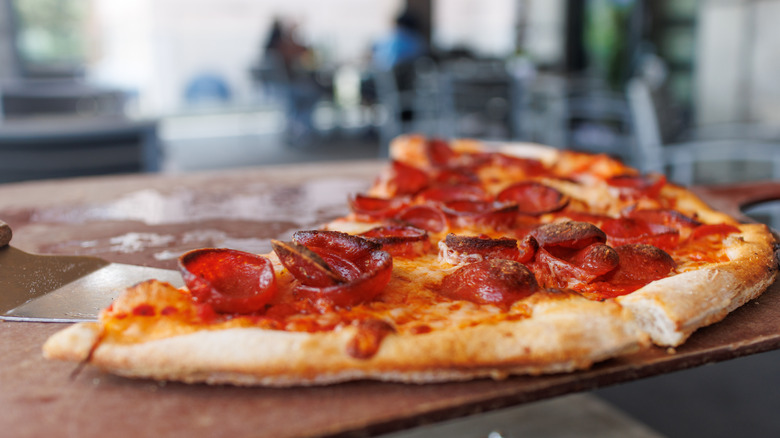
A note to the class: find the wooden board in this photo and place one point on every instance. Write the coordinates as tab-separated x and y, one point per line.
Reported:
147	220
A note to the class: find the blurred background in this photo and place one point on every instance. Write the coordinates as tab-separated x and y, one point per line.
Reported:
271	81
685	87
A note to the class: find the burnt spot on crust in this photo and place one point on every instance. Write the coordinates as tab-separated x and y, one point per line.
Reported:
370	333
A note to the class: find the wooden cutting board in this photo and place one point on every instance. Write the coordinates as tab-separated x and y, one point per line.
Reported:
149	219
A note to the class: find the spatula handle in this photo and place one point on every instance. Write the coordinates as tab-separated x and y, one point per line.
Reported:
5	234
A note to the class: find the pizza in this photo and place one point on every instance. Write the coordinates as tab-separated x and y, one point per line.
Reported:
462	260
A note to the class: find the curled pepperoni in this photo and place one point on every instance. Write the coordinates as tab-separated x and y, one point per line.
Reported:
400	240
626	230
570	234
495	281
363	266
405	179
477	248
229	281
375	208
470	213
425	217
533	198
527	247
449	193
306	265
571	268
596	260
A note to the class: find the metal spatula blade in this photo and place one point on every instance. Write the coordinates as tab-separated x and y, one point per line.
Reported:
47	288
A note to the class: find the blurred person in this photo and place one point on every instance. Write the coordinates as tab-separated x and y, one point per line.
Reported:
292	73
395	55
403	45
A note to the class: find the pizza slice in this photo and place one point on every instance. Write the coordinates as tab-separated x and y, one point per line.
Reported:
461	261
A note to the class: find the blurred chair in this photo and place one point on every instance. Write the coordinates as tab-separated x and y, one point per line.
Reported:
599	122
696	161
584	114
480	99
77	146
409	97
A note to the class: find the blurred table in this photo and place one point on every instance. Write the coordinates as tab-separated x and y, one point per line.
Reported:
151	219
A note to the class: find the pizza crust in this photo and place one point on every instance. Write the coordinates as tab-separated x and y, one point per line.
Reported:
564	335
669	310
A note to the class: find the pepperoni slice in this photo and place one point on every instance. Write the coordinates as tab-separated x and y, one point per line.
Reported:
425	217
375	208
456	176
533	198
527	167
363	266
306	265
570	234
229	281
596	260
449	193
464	248
464	214
399	240
573	268
405	179
495	281
527	247
640	264
582	216
440	154
626	230
663	216
720	230
635	186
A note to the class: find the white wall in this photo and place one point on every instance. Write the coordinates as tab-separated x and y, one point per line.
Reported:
156	46
738	64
